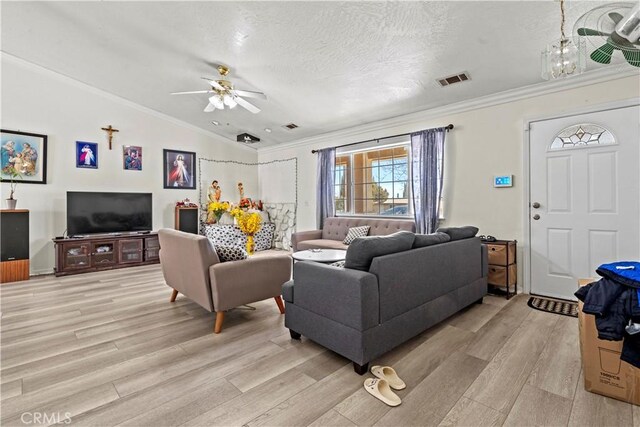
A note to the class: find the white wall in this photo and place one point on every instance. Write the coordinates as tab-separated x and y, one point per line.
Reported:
39	101
486	141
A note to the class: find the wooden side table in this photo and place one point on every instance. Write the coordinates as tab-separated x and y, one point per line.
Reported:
503	268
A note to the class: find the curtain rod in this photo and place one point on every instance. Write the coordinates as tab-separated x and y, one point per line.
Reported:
447	127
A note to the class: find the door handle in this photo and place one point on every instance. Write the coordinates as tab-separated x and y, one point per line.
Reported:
535	205
536	217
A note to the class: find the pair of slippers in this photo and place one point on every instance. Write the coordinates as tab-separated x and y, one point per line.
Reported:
380	387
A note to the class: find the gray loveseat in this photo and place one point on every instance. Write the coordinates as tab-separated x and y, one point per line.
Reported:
336	228
363	313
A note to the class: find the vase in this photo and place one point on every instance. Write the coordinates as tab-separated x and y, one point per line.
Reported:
251	246
11	204
216	216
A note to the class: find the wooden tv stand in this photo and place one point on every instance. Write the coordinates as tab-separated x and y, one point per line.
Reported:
105	252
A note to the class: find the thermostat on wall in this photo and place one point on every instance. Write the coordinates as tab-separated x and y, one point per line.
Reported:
503	181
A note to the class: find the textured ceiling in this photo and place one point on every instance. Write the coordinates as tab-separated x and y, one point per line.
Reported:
323	65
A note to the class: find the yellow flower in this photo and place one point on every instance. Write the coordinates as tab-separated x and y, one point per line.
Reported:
218	207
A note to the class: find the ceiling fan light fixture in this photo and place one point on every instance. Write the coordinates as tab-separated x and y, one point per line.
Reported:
217	102
564	57
229	101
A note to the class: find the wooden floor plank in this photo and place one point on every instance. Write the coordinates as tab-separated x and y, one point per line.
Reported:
467	412
536	407
500	383
558	367
332	419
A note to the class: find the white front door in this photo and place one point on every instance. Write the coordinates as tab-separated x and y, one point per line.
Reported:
585	196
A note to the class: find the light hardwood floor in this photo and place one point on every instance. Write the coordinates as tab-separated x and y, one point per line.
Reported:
110	349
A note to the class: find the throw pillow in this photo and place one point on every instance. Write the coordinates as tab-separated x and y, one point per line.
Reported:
363	250
423	240
459	233
339	264
231	253
355	232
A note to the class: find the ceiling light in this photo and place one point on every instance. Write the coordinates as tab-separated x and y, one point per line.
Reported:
229	101
564	57
268	130
216	102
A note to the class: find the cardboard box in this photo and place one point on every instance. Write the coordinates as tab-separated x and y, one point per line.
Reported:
604	372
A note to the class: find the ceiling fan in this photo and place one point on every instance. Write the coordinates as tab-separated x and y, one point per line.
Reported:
612	27
223	93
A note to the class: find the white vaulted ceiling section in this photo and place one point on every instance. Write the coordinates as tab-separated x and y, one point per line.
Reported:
323	65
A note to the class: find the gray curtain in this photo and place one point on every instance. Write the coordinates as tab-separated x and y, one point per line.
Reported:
427	158
325	191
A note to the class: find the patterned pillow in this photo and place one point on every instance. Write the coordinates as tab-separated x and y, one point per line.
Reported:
231	253
355	232
339	264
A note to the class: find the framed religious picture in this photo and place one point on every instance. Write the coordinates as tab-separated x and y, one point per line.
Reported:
86	155
132	158
179	169
24	157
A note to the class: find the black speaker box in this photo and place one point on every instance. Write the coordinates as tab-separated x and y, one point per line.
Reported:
187	219
14	235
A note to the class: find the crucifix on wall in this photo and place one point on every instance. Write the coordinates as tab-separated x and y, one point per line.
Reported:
110	130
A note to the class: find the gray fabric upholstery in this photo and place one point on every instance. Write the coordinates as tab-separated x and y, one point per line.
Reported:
363	249
347	296
423	240
409	279
458	233
320	244
362	315
191	267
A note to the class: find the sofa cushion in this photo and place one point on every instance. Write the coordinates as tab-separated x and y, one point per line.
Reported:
321	244
364	249
231	253
355	232
458	233
423	240
336	228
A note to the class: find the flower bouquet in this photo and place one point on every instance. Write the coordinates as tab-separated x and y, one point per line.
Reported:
215	211
249	223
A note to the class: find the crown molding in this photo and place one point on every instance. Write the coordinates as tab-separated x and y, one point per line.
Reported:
118	99
414	119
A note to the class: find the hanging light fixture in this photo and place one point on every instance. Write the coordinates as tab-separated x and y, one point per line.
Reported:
564	57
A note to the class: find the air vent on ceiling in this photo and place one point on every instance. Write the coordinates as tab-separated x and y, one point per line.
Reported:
290	126
456	78
247	138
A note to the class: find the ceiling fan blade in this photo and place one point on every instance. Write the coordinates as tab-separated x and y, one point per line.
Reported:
214	83
190	92
590	32
602	55
632	57
247	105
615	17
250	94
209	108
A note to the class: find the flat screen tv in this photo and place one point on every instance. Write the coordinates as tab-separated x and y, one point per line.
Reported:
95	213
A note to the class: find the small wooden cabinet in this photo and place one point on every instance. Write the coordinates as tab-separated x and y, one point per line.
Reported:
97	253
503	270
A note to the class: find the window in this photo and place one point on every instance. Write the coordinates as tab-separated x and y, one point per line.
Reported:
373	182
580	136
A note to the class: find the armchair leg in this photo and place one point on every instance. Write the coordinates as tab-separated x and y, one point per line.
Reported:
280	303
360	369
219	320
174	295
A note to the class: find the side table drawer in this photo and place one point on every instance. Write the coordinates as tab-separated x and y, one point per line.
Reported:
498	275
501	254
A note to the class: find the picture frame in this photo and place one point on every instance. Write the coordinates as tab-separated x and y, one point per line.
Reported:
179	169
86	155
132	157
29	151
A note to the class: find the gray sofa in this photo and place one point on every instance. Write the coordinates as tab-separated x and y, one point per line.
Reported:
336	228
364	314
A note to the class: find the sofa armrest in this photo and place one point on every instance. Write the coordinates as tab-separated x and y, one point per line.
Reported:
302	236
235	283
344	295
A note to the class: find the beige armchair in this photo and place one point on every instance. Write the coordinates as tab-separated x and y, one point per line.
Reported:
191	267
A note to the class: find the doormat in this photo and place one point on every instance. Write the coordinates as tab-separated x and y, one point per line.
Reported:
566	308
